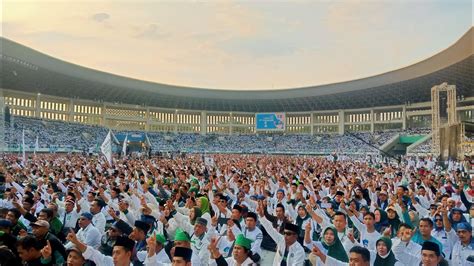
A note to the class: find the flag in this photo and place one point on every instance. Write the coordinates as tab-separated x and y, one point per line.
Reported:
37	146
23	145
124	147
147	140
106	147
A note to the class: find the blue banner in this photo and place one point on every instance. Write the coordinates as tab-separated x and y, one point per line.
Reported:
270	122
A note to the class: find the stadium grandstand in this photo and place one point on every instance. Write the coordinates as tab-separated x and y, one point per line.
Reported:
387	112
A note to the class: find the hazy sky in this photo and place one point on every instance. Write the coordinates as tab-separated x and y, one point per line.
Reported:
239	45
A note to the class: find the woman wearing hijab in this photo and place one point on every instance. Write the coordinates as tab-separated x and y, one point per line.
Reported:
301	220
384	256
203	204
194	213
381	220
331	245
393	221
456	216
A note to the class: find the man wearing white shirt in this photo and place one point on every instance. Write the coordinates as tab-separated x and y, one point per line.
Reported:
122	252
368	234
98	218
289	250
252	232
88	234
68	216
156	250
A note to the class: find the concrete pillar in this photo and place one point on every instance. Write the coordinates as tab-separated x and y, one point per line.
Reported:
311	122
203	123
341	122
147	119
175	119
103	123
404	117
231	123
71	110
38	105
372	118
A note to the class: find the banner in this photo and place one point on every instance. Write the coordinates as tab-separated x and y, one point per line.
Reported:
106	147
270	122
209	161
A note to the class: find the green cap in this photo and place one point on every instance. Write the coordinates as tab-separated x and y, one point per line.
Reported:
242	241
181	236
193	189
160	239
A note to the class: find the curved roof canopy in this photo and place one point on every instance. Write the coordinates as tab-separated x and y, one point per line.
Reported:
27	70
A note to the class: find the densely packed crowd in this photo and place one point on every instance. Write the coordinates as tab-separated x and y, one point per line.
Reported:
57	135
236	210
52	134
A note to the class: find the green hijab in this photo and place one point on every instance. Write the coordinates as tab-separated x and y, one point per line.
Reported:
335	249
204	205
389	259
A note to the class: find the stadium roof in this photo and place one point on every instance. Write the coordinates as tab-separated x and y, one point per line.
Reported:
25	69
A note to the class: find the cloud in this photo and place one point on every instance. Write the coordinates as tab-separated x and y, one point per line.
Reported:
151	32
100	17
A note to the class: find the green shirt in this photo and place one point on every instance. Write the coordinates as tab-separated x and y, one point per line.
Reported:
56	226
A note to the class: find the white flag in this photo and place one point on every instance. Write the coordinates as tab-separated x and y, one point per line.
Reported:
37	146
23	146
106	147
124	147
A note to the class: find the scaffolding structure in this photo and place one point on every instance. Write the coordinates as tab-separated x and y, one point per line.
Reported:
436	122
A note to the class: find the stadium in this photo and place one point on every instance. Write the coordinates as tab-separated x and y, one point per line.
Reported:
232	133
379	109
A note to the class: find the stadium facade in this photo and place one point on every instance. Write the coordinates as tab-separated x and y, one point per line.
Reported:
36	85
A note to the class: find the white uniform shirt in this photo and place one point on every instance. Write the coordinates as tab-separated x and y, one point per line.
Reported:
296	254
99	222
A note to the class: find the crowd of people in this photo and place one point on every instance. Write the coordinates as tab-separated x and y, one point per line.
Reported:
52	134
58	135
72	209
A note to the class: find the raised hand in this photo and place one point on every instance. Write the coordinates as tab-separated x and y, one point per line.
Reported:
72	237
151	243
46	251
112	213
387	232
308	227
316	251
231	235
214	220
259	210
351	237
213	244
22	233
213	248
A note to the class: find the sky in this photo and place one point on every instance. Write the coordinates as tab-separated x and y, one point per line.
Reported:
244	45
